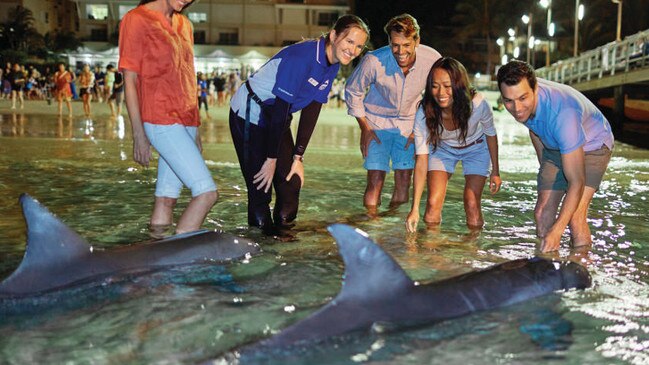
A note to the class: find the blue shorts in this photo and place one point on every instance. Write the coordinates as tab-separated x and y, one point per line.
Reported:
180	160
392	147
475	159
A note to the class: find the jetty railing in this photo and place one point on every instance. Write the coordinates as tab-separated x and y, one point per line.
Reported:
631	53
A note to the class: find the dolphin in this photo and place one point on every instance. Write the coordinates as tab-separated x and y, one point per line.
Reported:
57	258
376	290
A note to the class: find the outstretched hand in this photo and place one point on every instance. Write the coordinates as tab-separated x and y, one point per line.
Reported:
297	168
551	241
411	140
411	221
367	135
142	151
494	183
264	178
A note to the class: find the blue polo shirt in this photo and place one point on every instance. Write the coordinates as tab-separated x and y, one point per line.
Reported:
565	120
299	74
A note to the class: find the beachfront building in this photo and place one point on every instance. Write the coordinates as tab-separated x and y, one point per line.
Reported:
227	33
49	15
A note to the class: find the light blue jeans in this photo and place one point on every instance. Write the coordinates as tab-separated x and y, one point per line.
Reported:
180	160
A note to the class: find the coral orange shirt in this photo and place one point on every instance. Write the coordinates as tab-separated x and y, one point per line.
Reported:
162	55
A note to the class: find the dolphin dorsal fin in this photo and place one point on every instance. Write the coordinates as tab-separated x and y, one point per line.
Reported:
369	271
49	241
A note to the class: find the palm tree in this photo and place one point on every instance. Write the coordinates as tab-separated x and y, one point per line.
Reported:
18	31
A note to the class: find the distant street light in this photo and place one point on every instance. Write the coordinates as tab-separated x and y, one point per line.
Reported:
517	52
618	36
547	4
527	19
501	43
579	15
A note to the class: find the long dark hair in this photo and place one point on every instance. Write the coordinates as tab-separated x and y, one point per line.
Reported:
347	21
462	107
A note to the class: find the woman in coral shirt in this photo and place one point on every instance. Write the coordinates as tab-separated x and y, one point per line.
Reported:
62	79
157	59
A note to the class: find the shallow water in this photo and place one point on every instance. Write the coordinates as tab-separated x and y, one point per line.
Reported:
82	171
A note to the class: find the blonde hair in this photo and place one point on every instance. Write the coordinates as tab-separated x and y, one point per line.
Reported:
404	24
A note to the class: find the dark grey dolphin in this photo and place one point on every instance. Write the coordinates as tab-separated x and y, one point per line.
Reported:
376	290
56	257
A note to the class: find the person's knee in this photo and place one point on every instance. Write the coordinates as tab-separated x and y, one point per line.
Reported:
166	201
375	179
209	198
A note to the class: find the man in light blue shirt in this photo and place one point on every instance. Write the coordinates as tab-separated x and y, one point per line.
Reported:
382	94
573	143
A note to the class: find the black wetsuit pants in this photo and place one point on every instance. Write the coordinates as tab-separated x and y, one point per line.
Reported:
287	193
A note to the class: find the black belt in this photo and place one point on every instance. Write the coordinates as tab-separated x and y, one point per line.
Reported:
477	141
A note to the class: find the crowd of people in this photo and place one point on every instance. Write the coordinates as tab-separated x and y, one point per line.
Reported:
216	88
63	84
416	109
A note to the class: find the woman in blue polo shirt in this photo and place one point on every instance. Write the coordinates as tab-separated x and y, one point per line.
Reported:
298	77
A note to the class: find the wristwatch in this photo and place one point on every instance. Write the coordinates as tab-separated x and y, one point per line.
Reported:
298	158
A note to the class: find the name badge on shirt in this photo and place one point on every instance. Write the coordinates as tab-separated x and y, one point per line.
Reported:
323	86
313	82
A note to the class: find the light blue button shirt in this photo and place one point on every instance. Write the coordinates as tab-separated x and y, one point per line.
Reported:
565	119
392	99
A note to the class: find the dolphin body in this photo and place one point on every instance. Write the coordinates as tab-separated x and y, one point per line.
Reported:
57	258
376	290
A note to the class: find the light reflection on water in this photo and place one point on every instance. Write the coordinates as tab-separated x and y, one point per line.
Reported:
82	170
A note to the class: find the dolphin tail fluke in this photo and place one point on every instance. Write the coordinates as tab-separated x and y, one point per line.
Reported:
369	271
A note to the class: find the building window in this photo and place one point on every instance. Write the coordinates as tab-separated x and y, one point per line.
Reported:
46	16
229	38
99	35
199	37
327	19
123	9
97	11
197	17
